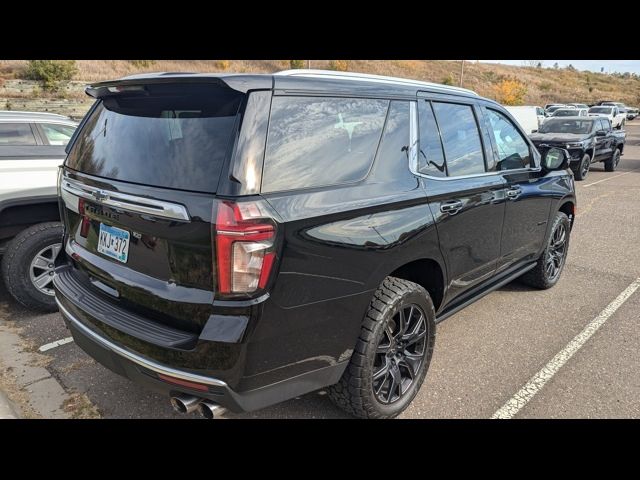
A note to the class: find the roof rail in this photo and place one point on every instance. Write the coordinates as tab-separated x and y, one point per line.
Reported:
311	73
18	113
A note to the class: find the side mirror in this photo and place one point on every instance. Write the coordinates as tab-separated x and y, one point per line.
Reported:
601	133
555	159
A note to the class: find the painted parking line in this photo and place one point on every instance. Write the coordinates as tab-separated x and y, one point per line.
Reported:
610	178
533	386
55	344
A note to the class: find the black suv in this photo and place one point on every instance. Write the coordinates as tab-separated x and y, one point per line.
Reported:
239	240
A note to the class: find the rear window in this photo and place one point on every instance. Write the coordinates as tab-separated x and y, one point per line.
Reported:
321	141
16	134
173	136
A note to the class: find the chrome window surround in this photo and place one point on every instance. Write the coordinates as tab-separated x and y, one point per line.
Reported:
413	154
123	201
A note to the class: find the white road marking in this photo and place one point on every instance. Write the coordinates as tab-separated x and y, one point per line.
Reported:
610	178
533	386
55	344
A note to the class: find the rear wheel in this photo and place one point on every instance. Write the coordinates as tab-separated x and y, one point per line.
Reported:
547	271
581	171
392	355
28	263
611	164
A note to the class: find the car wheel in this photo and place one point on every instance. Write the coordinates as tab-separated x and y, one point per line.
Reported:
27	265
611	164
582	170
547	271
392	355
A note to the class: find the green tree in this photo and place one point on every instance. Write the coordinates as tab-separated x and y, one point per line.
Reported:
50	73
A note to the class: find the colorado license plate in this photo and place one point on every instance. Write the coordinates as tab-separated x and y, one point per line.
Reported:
113	242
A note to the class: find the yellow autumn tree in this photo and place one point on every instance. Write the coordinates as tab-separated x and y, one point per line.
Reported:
510	91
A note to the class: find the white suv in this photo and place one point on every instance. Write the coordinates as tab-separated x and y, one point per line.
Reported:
32	146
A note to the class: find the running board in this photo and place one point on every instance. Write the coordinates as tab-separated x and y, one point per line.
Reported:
456	307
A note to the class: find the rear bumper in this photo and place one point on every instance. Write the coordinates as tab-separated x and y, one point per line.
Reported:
146	372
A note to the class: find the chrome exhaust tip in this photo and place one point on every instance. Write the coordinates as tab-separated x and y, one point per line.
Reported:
210	410
184	403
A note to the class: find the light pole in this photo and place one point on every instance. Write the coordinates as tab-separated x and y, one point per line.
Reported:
461	72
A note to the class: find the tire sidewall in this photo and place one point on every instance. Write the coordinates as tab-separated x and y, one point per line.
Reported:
421	299
16	264
559	218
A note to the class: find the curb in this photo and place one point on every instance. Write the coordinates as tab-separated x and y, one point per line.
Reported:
6	409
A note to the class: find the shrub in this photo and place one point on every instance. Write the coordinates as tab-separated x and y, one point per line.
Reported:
222	64
142	63
448	80
339	65
510	92
296	64
8	105
50	73
545	86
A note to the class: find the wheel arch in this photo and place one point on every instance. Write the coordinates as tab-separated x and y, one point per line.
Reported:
568	207
426	272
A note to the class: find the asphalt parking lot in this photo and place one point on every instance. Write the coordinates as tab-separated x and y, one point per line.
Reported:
488	351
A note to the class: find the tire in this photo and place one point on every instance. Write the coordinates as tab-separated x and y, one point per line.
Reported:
539	276
375	348
17	265
611	164
582	170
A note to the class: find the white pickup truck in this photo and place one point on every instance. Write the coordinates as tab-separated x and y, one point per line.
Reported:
32	146
617	118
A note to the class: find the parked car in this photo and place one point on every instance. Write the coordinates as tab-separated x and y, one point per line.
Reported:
529	117
617	118
238	240
569	112
31	150
588	140
549	109
632	113
579	105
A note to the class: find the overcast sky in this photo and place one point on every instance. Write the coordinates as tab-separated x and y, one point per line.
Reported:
610	66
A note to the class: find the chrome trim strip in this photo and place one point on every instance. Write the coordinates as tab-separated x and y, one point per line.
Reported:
144	205
135	358
413	136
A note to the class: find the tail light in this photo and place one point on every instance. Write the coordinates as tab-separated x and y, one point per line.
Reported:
245	246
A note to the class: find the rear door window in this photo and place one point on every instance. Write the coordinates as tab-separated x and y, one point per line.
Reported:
174	136
320	141
461	138
57	134
14	134
430	156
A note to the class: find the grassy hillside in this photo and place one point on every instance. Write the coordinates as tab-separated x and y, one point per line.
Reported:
543	85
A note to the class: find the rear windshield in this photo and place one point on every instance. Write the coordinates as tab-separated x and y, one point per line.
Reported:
173	136
566	126
565	113
600	110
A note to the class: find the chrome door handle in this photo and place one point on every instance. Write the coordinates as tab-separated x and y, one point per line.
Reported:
451	207
513	193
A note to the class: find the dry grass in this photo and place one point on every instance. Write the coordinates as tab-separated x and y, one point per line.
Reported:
544	85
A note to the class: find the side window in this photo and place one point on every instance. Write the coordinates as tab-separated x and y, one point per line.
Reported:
460	137
393	152
57	134
513	149
606	124
539	111
16	134
314	142
430	155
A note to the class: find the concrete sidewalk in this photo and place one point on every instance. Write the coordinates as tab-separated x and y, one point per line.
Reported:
6	409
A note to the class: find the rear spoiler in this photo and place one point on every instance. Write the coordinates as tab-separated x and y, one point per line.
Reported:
238	82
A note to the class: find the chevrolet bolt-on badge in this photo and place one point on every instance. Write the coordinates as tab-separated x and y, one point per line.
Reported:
100	195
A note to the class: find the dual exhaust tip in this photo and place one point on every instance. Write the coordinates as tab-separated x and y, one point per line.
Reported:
189	404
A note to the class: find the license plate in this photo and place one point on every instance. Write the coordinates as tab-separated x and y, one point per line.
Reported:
113	242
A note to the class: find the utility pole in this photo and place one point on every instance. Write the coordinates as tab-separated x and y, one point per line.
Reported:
309	64
461	72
